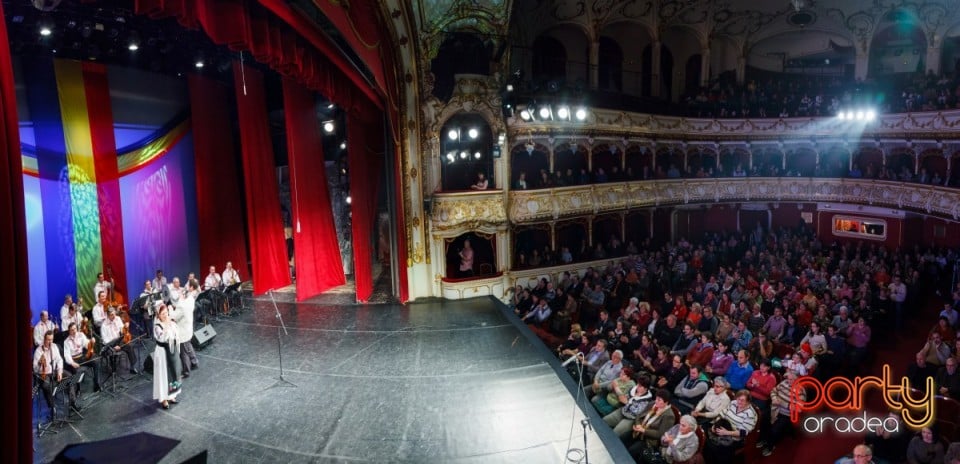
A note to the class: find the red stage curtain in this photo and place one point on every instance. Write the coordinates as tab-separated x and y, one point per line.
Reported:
316	249
265	227
16	445
365	145
222	234
309	57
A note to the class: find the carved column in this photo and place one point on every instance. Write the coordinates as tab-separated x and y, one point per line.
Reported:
655	69
860	66
594	64
552	152
933	55
741	69
590	230
589	159
704	66
553	236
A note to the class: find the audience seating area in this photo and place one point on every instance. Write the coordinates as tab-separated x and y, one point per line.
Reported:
754	314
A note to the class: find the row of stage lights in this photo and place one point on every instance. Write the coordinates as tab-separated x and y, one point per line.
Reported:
547	113
857	115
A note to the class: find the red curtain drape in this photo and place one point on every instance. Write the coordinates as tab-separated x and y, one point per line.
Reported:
16	444
316	249
265	228
365	145
302	53
222	236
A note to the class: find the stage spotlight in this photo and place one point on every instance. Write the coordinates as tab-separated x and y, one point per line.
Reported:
199	64
509	87
841	116
46	30
860	115
329	127
871	115
463	155
473	133
581	114
477	155
451	157
343	145
453	134
525	115
563	112
544	112
349	199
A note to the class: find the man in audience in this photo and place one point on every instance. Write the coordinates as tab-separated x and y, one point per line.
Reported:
690	391
947	379
740	371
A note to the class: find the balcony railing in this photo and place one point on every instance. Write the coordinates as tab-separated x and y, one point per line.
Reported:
530	206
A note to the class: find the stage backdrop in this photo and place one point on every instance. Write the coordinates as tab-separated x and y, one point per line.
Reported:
108	179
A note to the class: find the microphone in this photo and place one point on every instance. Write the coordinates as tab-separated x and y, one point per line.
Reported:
572	359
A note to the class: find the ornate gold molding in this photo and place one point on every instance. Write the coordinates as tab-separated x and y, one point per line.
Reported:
468	211
930	125
529	206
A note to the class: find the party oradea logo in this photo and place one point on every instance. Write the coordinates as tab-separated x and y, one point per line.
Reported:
844	396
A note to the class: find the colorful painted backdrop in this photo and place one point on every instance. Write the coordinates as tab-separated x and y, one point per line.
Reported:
91	205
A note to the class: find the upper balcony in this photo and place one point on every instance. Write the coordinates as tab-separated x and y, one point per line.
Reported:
933	126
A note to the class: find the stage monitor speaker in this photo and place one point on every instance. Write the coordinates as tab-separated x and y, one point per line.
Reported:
203	337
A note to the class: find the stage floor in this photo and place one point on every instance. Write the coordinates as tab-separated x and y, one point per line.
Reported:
437	381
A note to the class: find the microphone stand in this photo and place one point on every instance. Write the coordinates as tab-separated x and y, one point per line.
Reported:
282	382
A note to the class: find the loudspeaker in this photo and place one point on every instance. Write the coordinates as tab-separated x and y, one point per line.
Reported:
203	337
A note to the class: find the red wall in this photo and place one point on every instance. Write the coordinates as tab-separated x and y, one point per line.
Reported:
787	215
720	218
951	237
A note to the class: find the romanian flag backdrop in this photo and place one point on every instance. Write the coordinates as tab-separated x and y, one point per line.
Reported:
92	207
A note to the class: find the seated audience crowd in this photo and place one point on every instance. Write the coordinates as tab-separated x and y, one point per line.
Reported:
694	363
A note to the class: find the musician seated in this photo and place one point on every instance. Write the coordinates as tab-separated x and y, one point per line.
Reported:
48	367
77	352
45	325
65	311
230	275
72	316
111	332
100	310
176	291
102	285
213	280
159	283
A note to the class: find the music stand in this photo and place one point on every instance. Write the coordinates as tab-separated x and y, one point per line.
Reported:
282	382
63	388
139	309
42	428
232	293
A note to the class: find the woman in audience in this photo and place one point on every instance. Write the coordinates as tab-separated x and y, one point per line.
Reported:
714	402
678	445
730	429
650	427
925	448
725	329
720	361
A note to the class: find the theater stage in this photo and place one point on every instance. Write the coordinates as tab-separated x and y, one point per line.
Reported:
438	381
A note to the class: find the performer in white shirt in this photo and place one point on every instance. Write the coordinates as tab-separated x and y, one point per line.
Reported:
101	286
72	316
45	325
65	311
176	291
230	275
213	279
48	366
75	349
166	360
183	315
111	333
159	282
100	309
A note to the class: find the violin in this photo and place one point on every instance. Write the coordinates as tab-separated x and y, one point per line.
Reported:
85	327
126	333
43	368
90	346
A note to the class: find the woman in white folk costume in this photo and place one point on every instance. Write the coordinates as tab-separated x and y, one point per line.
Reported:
166	359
